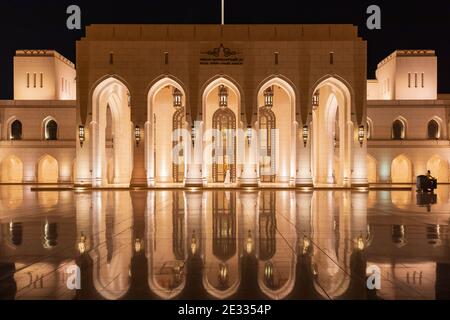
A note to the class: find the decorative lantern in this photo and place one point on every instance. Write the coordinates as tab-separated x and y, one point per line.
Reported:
361	135
223	96
268	97
305	133
137	135
81	135
177	95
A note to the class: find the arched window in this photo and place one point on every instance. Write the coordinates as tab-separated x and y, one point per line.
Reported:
369	130
398	130
433	129
16	130
224	144
51	130
267	126
178	153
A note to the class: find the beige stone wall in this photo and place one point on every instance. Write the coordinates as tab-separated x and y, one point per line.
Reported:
33	147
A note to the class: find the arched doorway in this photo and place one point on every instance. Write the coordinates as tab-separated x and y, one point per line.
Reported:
401	170
277	127
111	94
12	170
47	170
221	104
167	134
332	133
438	168
371	169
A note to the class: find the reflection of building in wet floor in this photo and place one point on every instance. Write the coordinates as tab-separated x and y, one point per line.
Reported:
224	244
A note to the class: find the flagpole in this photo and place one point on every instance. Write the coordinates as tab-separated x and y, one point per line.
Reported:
223	12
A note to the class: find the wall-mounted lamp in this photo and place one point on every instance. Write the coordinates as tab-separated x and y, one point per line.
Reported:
177	98
137	135
223	96
315	99
361	135
81	135
268	97
305	133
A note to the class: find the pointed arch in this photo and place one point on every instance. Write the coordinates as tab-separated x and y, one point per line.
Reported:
401	169
434	128
281	162
369	128
47	169
165	130
399	128
332	112
50	128
438	167
371	169
112	93
12	170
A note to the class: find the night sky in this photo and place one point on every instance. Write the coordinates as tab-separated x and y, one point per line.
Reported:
39	24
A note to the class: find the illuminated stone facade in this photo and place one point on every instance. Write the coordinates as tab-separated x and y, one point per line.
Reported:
208	105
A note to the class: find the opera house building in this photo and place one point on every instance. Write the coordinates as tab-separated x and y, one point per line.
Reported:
225	162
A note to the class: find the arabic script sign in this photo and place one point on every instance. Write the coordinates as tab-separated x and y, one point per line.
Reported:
222	56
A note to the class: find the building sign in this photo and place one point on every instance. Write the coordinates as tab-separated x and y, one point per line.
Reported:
221	56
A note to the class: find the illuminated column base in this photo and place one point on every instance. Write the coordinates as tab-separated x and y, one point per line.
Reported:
150	182
194	176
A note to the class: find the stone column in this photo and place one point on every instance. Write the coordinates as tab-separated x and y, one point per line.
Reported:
194	159
249	176
304	174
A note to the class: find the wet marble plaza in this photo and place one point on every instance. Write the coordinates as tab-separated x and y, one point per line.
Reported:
219	244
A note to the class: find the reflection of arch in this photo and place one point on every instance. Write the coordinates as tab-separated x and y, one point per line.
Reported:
178	221
399	129
267	226
438	167
224	225
224	144
12	170
371	169
401	170
47	170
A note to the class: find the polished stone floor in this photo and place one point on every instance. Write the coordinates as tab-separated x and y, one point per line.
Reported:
266	244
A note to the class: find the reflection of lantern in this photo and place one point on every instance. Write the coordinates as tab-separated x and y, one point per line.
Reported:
223	96
361	135
193	243
268	97
360	243
305	134
137	245
50	235
81	135
223	274
82	244
268	274
177	98
249	244
306	244
137	135
315	99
